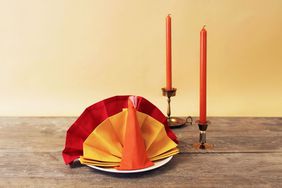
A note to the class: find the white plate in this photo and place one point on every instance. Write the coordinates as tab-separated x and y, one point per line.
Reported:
157	164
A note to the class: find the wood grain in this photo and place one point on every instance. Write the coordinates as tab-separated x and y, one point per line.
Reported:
247	152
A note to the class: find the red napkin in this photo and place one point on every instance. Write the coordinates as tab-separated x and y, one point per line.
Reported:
98	112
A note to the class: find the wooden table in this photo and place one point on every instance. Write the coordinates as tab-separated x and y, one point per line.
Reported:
247	152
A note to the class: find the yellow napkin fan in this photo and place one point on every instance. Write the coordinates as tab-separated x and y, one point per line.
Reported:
103	147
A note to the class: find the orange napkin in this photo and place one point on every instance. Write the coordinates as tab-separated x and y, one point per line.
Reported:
94	115
128	140
134	154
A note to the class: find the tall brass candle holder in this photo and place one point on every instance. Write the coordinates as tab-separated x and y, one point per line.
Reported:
174	122
202	137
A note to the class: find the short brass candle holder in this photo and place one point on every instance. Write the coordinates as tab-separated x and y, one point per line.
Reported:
174	122
202	137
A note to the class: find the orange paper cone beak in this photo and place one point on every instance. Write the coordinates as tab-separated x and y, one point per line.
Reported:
134	154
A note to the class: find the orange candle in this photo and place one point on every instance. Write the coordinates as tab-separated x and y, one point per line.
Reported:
168	53
203	75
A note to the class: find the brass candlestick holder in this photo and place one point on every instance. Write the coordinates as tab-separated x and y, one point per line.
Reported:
174	122
202	137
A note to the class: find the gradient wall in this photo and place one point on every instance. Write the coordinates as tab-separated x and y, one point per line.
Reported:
59	56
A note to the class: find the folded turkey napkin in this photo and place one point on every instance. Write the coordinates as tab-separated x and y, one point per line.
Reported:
99	113
128	140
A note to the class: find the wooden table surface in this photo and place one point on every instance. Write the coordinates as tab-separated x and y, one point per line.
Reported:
247	152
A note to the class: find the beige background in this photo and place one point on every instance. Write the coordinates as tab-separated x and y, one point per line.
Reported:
60	56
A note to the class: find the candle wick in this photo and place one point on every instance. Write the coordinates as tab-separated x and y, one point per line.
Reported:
169	14
204	26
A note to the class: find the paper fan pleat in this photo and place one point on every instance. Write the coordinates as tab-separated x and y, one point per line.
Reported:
169	153
109	137
95	114
99	155
155	137
118	122
98	163
105	142
161	144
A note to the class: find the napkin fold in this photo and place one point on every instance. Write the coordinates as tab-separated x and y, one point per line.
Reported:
134	155
99	113
128	140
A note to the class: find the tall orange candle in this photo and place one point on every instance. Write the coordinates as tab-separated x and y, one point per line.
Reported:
203	75
168	53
